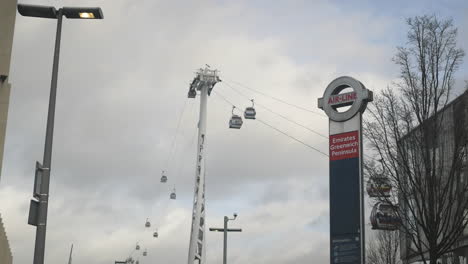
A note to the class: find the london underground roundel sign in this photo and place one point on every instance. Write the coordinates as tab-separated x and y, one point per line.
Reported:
333	98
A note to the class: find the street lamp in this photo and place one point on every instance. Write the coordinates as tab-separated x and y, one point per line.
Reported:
38	209
225	230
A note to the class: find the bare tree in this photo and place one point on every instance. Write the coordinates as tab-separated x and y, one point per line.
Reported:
420	139
383	248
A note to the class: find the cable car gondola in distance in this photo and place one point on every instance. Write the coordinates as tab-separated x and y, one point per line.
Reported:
192	94
147	224
250	112
163	178
137	247
155	234
145	253
173	194
236	121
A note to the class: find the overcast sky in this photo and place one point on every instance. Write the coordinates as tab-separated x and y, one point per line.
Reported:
122	86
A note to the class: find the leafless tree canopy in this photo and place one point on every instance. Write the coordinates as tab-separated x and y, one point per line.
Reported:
384	248
422	148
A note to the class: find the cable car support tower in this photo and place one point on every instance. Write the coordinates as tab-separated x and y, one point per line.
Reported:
203	82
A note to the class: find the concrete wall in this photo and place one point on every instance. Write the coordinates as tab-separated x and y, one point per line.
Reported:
5	252
7	25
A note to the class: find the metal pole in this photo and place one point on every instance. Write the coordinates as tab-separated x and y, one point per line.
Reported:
226	219
361	190
39	247
70	258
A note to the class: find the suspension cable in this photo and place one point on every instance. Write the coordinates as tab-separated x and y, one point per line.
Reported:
172	151
271	126
278	114
291	137
274	98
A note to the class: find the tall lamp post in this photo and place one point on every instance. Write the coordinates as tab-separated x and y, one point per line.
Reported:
225	230
38	208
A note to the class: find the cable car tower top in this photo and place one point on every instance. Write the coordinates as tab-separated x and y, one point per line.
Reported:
205	77
204	82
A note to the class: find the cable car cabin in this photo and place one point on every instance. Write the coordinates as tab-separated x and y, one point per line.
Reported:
192	94
384	217
137	262
137	247
145	253
250	113
147	224
235	122
155	234
164	179
173	196
378	187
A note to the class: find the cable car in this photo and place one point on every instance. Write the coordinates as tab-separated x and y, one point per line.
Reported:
250	112
378	187
145	253
163	178
192	93
235	121
147	224
384	217
137	262
155	234
173	194
137	247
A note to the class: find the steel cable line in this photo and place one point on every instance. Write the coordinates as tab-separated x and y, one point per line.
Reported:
276	113
275	98
284	117
276	129
291	137
171	153
168	162
170	157
224	98
183	166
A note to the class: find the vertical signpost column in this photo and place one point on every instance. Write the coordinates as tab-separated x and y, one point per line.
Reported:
346	180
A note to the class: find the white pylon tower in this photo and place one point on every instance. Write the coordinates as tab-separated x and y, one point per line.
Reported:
203	82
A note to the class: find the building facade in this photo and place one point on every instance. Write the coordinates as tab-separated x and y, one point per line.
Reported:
453	131
5	251
7	25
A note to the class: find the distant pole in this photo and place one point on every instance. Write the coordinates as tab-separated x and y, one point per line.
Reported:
226	219
225	231
70	258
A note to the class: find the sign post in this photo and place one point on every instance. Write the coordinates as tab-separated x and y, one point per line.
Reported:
346	179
